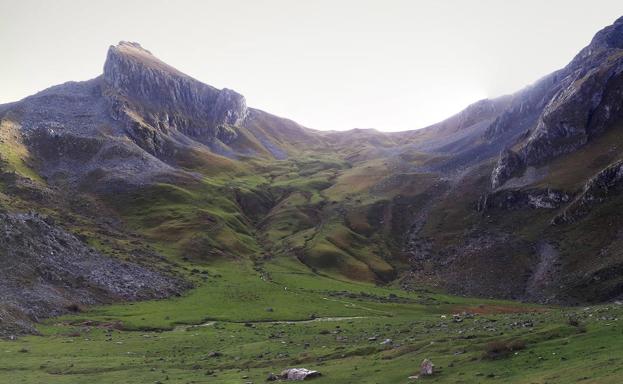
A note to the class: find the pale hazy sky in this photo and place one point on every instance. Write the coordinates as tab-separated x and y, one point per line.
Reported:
328	64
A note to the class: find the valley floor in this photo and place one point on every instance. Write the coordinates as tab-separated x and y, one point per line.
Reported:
240	325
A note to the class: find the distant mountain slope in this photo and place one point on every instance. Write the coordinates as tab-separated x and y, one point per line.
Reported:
550	218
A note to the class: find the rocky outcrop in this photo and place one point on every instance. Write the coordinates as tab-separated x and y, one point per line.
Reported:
47	271
299	374
137	75
427	368
155	100
578	113
605	184
582	100
509	165
513	199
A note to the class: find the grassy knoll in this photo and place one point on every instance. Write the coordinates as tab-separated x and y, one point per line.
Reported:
13	153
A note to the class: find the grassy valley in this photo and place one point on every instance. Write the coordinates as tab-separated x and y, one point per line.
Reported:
155	229
238	326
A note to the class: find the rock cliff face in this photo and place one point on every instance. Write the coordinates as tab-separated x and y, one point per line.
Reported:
607	183
574	105
577	113
154	100
522	199
508	166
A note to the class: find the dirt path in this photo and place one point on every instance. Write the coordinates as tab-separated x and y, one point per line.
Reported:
308	321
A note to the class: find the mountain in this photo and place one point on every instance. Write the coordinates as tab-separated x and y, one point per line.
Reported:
147	170
142	120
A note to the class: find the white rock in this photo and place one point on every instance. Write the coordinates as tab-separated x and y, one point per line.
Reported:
299	374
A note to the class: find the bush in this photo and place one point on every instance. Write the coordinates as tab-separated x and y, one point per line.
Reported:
73	307
573	322
516	345
501	349
577	324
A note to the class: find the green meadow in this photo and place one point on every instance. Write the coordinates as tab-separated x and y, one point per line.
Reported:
240	324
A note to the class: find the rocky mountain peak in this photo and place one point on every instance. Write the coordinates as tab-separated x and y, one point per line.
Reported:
132	45
138	83
131	55
573	105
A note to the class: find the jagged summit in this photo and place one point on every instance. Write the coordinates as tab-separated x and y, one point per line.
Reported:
135	53
133	73
167	101
161	107
131	45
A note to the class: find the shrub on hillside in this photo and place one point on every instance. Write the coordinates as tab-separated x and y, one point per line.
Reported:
74	307
500	349
577	324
